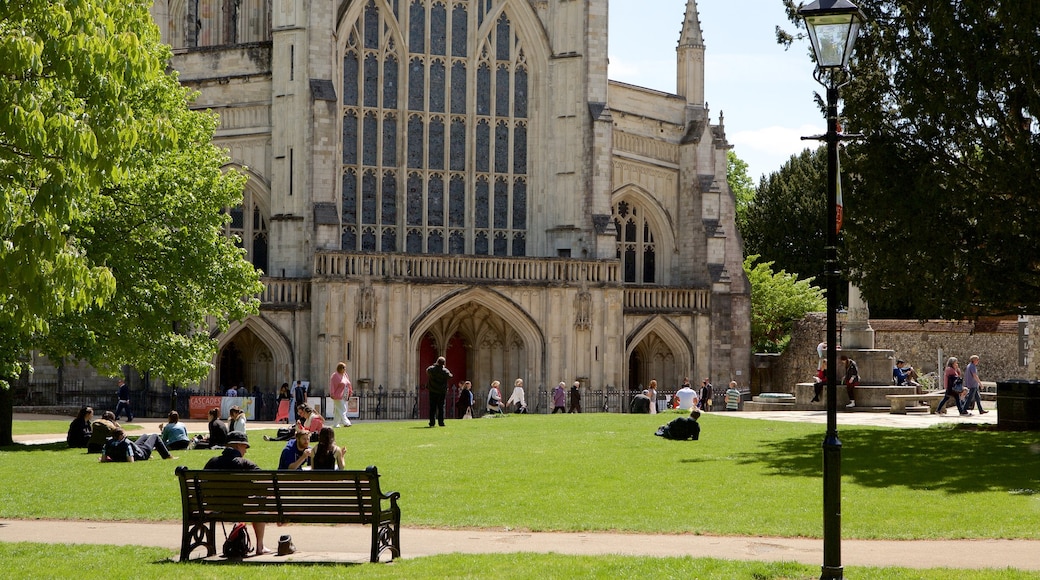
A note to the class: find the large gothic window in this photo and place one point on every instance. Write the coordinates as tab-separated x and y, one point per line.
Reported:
249	227
635	244
435	100
196	23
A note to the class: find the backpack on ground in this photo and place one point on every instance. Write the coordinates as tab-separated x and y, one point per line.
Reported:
238	543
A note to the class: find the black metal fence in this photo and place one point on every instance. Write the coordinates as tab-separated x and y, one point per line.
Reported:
375	403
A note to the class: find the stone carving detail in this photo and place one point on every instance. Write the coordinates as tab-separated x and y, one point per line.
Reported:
366	311
583	308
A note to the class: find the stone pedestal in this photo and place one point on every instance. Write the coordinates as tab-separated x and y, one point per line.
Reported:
875	365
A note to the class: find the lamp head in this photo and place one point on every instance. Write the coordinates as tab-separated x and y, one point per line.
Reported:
833	26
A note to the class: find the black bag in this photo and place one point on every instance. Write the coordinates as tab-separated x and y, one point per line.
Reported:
238	543
958	385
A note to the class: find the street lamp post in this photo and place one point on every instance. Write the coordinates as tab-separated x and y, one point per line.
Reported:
833	26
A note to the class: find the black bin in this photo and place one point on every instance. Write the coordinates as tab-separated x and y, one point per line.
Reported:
1018	405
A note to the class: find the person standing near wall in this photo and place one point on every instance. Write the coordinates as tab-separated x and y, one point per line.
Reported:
559	396
340	389
733	397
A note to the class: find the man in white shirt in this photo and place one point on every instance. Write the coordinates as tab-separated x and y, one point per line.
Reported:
687	395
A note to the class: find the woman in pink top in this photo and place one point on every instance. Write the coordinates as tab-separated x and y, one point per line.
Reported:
311	421
340	390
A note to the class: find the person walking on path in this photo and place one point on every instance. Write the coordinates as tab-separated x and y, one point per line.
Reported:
437	385
575	398
123	404
517	397
973	385
954	387
232	459
559	399
341	390
494	399
464	406
851	380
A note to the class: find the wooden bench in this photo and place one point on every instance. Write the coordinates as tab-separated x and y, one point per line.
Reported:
282	497
898	402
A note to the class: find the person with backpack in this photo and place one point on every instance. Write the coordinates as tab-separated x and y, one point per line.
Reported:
119	449
233	459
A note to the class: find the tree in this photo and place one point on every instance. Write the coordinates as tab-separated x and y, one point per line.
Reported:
942	212
777	300
111	198
785	223
741	185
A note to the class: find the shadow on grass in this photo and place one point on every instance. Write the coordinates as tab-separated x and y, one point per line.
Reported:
953	460
56	446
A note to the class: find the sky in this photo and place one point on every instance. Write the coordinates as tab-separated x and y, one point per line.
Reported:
764	92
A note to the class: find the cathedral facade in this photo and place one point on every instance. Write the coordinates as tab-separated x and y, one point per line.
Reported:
460	178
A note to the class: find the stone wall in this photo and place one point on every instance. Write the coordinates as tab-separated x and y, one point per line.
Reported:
922	344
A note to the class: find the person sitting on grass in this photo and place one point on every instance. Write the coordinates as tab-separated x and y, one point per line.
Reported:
101	431
174	433
328	455
218	433
682	428
309	421
79	428
120	449
297	452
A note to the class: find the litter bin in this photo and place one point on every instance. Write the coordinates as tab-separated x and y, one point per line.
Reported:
1018	405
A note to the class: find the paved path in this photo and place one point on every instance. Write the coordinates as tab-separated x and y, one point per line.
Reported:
317	541
350	543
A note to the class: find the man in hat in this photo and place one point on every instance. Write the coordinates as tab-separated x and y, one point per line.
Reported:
232	459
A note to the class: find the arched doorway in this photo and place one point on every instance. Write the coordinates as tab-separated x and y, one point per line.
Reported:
653	358
246	360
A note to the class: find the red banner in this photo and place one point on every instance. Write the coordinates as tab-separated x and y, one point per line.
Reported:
198	407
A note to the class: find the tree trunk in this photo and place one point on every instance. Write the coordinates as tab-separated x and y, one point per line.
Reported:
6	416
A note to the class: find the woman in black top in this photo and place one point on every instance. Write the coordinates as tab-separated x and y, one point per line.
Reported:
79	428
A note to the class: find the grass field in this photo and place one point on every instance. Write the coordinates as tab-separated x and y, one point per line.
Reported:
599	472
49	561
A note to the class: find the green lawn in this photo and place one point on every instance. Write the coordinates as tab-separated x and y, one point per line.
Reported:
600	472
59	427
54	561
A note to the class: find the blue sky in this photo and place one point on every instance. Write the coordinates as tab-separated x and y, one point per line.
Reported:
765	92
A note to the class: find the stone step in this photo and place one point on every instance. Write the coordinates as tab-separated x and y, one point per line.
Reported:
763	406
918	410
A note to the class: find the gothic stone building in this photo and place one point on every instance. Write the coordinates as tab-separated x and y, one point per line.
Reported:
459	177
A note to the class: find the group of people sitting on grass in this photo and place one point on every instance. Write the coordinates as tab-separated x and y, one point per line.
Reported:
106	436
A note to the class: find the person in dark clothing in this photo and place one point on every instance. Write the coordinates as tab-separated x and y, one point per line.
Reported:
218	433
575	398
123	406
79	428
437	385
101	431
121	449
641	402
682	428
465	403
232	459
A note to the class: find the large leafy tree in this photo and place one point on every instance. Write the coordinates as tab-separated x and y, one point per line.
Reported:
777	300
943	216
741	185
784	224
110	198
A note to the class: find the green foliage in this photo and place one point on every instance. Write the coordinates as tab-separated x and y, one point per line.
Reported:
740	185
573	467
777	299
111	196
785	224
943	211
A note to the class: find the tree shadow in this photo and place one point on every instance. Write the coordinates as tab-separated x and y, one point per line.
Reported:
21	447
946	459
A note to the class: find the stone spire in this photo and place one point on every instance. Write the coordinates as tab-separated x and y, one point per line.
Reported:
690	57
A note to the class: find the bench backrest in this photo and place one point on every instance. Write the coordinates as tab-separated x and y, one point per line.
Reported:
281	496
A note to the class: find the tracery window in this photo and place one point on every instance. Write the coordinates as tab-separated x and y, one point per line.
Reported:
249	226
635	244
439	110
195	23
